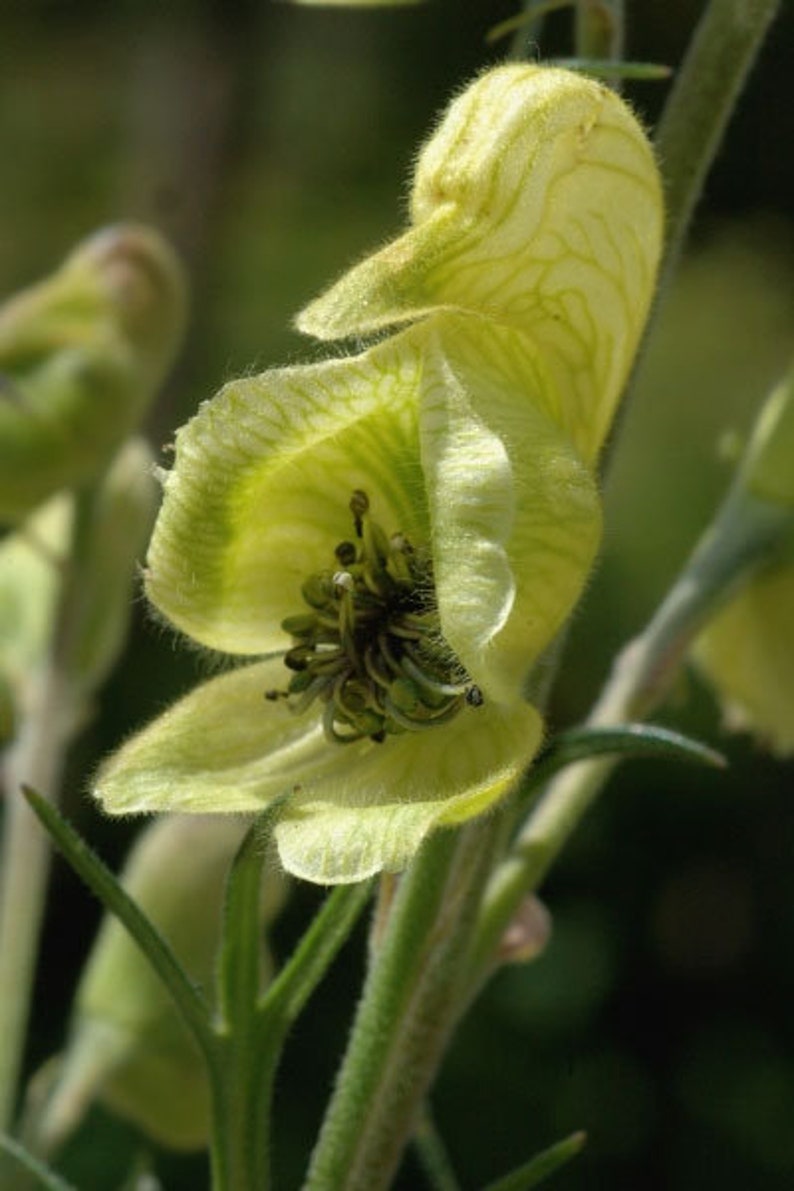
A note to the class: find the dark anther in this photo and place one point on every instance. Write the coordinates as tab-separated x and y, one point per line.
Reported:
359	505
368	647
400	543
345	554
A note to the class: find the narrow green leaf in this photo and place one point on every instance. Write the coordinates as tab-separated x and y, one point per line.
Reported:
307	965
532	12
23	1160
241	947
536	1171
607	69
114	898
628	740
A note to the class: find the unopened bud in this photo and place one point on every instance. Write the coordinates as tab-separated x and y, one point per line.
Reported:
122	516
528	933
81	356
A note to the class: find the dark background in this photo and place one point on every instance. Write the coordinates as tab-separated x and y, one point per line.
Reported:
273	145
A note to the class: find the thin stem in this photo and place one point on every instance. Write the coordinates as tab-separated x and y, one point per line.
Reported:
709	81
707	86
285	998
53	712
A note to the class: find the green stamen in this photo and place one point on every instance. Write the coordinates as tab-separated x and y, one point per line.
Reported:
370	648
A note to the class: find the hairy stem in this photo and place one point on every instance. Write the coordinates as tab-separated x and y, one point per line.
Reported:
406	1014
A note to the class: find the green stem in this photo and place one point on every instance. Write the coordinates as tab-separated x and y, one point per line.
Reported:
707	86
284	1000
244	1074
709	81
238	1155
53	712
406	1013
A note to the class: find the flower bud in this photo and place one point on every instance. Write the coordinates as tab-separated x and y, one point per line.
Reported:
747	650
32	568
128	1045
81	356
122	518
527	934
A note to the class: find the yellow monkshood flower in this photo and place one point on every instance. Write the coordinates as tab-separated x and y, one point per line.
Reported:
420	518
747	651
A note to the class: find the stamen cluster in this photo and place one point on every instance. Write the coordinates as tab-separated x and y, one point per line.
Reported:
370	647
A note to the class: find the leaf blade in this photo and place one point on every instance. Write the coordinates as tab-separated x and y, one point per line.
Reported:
539	1168
101	881
628	740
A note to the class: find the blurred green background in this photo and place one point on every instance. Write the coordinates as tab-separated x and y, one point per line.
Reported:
273	145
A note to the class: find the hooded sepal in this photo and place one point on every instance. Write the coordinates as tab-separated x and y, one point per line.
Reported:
537	204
